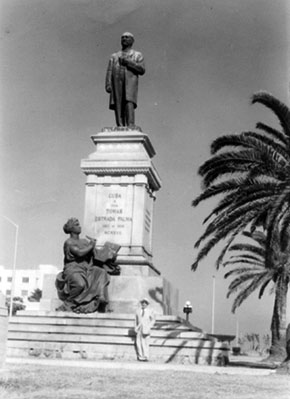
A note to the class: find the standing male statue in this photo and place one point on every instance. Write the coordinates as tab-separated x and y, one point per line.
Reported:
122	81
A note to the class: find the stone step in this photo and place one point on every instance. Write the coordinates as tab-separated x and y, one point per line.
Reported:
99	338
96	315
91	322
113	352
182	332
42	320
98	346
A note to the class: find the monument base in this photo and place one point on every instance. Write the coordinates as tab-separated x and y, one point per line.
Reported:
125	292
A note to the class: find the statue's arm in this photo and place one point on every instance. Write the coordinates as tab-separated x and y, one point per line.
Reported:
79	252
108	83
137	66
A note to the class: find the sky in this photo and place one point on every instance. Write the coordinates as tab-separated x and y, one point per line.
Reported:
204	60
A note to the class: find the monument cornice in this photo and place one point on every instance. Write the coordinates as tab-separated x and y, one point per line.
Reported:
152	176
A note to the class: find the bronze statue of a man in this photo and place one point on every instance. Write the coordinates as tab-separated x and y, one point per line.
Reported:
123	71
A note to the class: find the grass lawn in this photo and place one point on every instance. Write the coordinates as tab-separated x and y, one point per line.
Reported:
49	382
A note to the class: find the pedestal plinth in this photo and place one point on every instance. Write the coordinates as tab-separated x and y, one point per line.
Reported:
119	200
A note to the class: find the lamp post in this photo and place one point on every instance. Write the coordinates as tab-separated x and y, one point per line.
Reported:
213	304
237	348
187	309
237	331
14	264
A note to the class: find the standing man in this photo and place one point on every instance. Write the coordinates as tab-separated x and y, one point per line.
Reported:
144	321
122	81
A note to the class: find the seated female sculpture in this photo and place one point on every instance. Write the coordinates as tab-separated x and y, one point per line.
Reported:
82	285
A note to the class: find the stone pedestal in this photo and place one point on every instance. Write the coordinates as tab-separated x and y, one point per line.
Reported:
120	193
119	199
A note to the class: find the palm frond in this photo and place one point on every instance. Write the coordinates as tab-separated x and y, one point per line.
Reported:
243	195
241	261
220	258
239	282
243	270
275	134
284	230
280	110
250	140
247	257
248	163
229	162
267	143
273	220
236	226
231	140
234	213
246	247
223	187
246	292
229	223
263	287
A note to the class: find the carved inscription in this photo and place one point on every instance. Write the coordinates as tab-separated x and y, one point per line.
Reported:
113	215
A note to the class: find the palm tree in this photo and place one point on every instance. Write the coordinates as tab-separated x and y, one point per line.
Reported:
35	296
251	272
250	172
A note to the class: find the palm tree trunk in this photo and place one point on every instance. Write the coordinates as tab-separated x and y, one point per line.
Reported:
278	324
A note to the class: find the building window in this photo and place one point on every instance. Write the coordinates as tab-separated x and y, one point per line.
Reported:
24	293
8	292
25	279
9	279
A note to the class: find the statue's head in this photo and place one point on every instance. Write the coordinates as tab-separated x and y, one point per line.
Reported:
127	39
72	225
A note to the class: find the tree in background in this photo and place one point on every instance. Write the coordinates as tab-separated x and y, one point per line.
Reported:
251	272
17	304
35	296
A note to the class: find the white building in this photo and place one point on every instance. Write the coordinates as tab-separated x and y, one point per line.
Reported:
26	280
